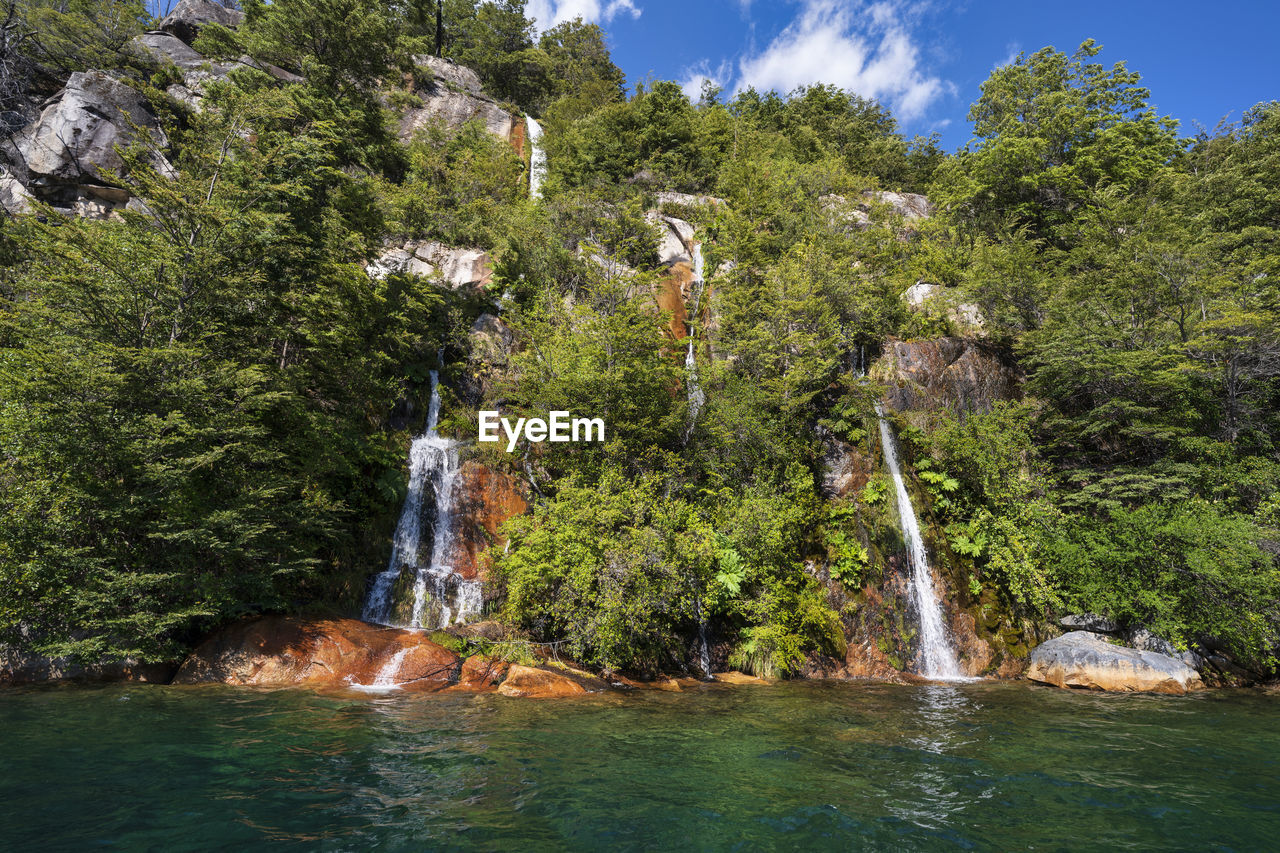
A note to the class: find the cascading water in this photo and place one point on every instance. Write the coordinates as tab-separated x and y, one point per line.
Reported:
697	397
433	462
937	657
537	157
704	644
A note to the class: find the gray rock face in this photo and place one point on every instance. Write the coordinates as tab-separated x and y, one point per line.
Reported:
957	373
455	267
934	298
453	96
189	16
21	667
450	73
14	198
687	200
1086	660
74	139
910	206
1144	640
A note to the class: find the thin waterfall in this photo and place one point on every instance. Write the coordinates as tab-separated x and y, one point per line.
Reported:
537	158
697	397
433	462
704	645
937	657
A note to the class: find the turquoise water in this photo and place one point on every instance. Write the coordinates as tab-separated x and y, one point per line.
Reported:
794	766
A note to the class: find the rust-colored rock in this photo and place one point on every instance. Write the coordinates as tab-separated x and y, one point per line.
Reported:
481	674
532	683
484	498
735	677
279	651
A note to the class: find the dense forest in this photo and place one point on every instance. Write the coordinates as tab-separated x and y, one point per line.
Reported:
202	405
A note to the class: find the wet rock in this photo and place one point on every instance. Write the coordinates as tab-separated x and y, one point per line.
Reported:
75	138
1085	660
24	667
481	674
484	499
845	468
960	374
735	677
186	19
1089	622
457	268
534	683
280	651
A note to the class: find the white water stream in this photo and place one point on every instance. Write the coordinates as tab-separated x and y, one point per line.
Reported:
697	397
433	463
537	157
937	657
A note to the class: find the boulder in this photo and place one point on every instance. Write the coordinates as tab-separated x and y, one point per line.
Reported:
1085	660
455	267
481	674
961	374
189	16
536	683
279	651
1144	640
75	137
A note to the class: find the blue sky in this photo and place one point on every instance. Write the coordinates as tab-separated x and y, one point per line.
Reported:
926	58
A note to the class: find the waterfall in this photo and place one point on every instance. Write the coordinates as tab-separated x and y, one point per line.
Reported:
937	657
704	646
537	158
433	462
697	397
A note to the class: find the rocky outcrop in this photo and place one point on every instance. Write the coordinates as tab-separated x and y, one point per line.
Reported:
186	19
451	94
960	374
14	198
845	468
934	299
1086	660
536	683
277	651
688	200
675	293
197	71
457	268
850	215
481	674
73	144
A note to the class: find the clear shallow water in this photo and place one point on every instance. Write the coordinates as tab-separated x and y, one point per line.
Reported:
793	766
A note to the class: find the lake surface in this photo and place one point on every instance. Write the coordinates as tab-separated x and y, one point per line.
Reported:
828	766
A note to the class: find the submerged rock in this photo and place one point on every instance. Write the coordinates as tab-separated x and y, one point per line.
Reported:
1086	660
534	683
281	651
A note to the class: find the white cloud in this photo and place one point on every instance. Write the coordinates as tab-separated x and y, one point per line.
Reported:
1014	50
866	48
548	13
691	83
